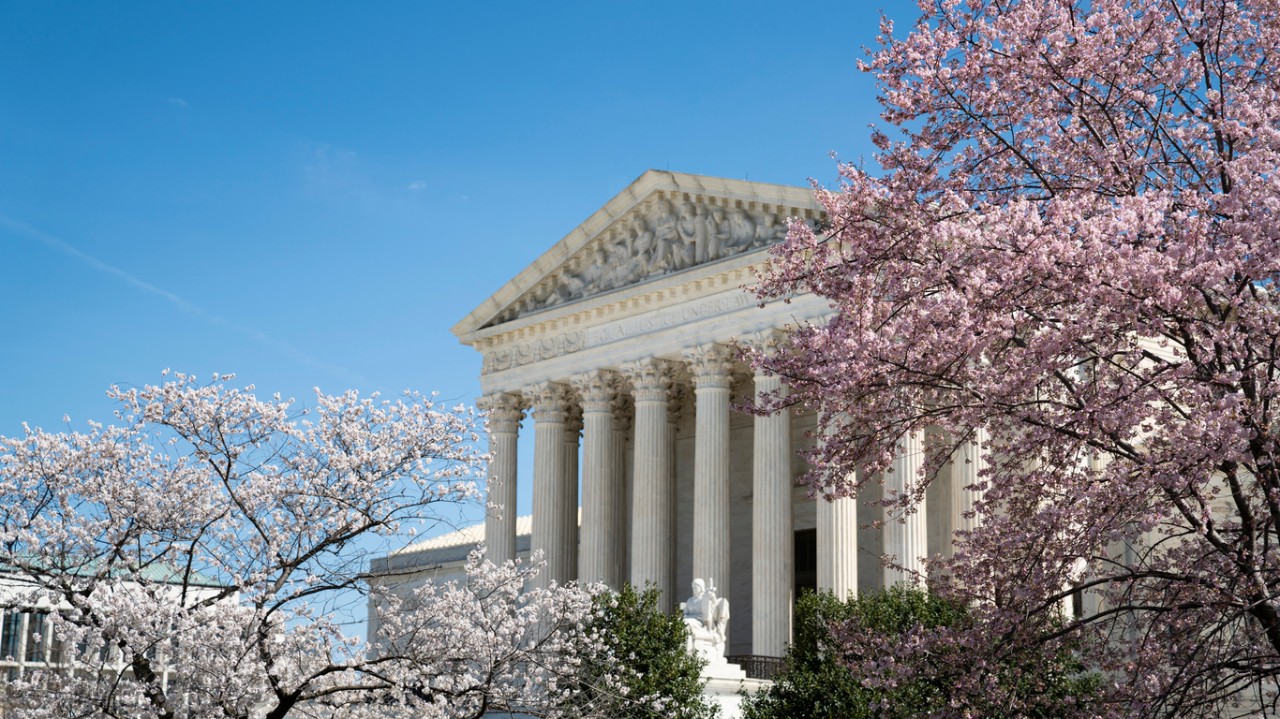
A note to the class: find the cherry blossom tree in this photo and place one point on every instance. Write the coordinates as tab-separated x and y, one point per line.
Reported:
1068	251
193	560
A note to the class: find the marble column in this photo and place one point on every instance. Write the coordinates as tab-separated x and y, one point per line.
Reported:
598	551
568	504
772	537
837	522
967	463
623	414
503	413
710	367
653	496
905	532
554	540
676	402
836	519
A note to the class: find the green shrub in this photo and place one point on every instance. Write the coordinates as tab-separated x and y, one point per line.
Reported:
645	671
831	638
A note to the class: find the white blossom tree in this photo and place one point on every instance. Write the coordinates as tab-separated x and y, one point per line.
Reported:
192	558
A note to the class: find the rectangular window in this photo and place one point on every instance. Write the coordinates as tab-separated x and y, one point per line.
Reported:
36	636
57	649
10	634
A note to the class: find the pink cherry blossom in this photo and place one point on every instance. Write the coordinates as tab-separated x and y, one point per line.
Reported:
1071	242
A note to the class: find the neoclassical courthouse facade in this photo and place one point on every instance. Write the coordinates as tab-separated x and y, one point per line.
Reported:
618	343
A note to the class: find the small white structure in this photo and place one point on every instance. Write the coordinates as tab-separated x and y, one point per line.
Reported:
28	642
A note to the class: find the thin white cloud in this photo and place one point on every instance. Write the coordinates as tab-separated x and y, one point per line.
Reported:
331	165
417	186
178	102
289	350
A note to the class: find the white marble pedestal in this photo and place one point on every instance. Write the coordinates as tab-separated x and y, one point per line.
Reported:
727	692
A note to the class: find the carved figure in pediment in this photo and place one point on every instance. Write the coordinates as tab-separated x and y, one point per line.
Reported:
668	249
623	261
720	233
664	222
742	230
593	269
768	230
694	233
641	242
571	283
534	300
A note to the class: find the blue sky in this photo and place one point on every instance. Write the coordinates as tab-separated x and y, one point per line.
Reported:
312	194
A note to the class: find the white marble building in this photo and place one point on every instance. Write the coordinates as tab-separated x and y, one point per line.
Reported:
618	343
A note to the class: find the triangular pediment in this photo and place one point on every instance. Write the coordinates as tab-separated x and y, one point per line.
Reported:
663	223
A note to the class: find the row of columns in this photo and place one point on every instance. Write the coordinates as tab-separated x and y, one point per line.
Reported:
603	420
636	403
905	537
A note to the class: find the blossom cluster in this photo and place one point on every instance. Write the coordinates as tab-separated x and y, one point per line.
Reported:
1070	249
194	560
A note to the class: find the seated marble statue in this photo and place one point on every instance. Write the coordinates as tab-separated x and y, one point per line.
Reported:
707	618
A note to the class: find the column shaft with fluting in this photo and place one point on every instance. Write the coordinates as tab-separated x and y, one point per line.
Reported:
905	531
623	416
710	367
598	557
676	402
771	527
837	528
550	401
967	464
503	412
652	515
837	524
568	504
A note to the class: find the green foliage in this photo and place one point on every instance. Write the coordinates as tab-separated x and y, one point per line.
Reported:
645	671
817	681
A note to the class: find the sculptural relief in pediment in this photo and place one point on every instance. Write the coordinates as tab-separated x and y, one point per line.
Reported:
667	233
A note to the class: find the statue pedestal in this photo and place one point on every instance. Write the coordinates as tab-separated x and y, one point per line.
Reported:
722	669
727	693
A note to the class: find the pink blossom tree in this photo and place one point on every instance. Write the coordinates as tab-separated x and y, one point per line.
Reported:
192	561
1071	244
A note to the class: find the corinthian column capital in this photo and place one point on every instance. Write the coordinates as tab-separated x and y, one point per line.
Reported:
623	408
503	411
763	342
710	365
572	422
550	401
597	389
651	379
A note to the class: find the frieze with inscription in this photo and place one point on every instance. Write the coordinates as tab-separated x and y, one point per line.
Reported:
529	352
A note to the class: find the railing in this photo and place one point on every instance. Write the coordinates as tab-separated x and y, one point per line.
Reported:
757	666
